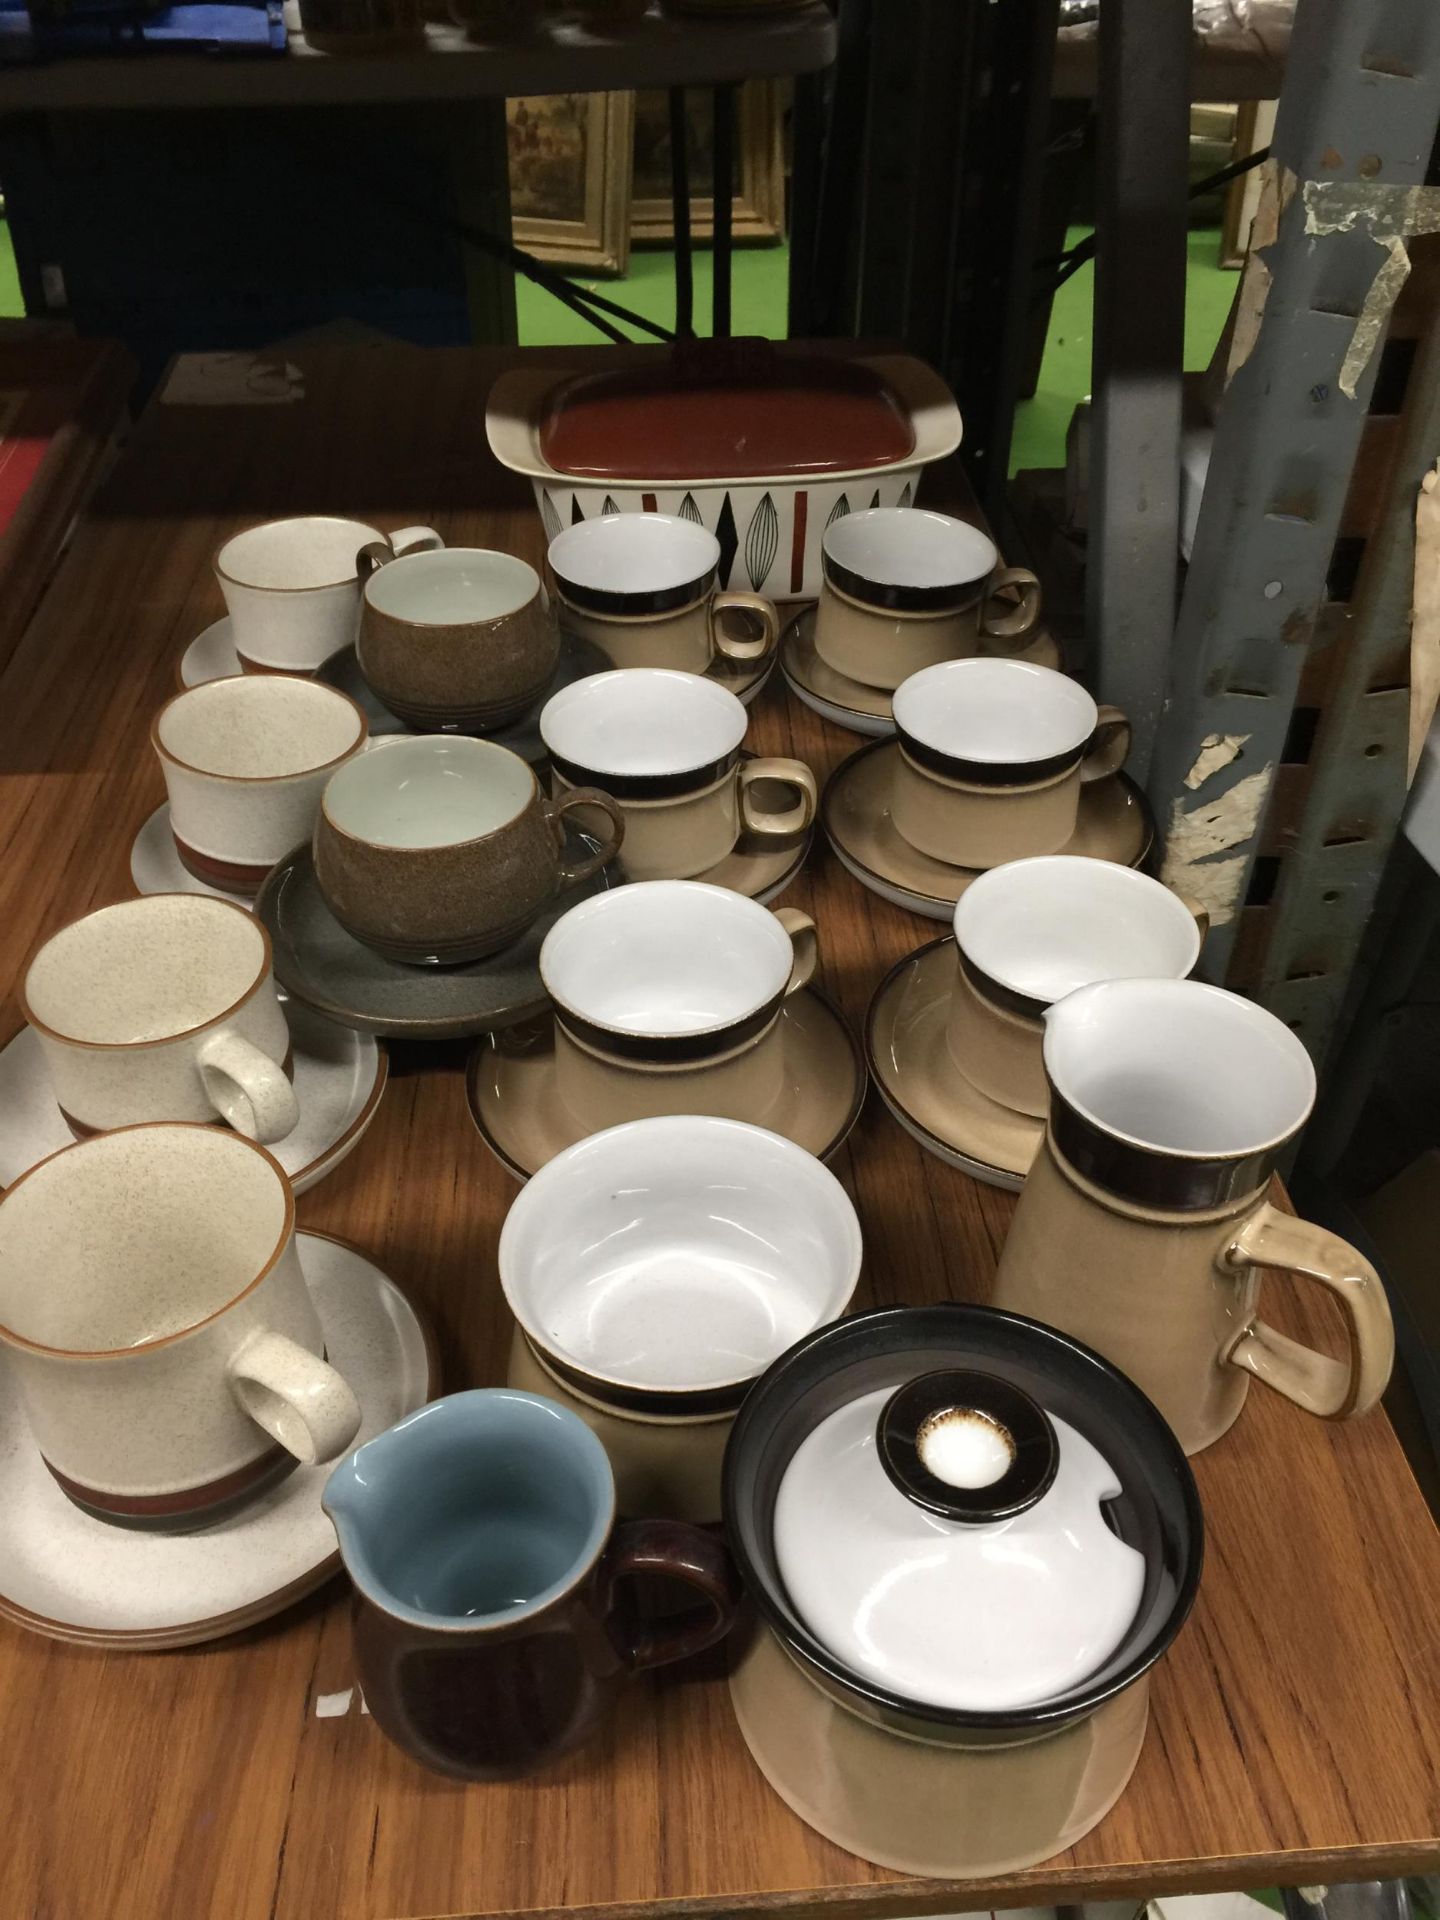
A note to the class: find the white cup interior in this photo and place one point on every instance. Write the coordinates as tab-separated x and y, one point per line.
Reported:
259	726
313	550
452	586
1179	1067
1004	712
145	970
138	1234
432	791
643	720
678	1253
665	957
910	547
634	553
1043	927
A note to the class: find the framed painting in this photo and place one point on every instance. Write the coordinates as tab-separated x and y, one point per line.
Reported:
570	157
759	214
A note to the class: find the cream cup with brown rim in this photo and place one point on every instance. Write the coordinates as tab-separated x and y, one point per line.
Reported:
172	1363
163	1008
245	761
461	638
641	587
654	1271
292	587
666	747
667	998
440	849
1028	933
992	757
903	588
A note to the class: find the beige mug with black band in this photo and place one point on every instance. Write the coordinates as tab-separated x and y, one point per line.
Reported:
1032	931
993	754
667	748
1144	1224
172	1365
667	997
904	589
641	587
163	1008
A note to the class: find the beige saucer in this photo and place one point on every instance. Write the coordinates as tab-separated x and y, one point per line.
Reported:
760	876
514	1104
1114	824
850	703
905	1050
744	678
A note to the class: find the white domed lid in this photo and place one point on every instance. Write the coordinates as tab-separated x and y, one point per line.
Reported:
948	1543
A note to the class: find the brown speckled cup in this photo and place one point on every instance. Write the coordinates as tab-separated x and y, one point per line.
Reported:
461	637
438	850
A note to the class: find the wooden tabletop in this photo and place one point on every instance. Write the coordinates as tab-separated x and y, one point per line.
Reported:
1293	1728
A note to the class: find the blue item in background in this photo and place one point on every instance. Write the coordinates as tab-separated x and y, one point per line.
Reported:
243	26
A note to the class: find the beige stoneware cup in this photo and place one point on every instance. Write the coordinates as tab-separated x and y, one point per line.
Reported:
666	747
163	1008
458	638
172	1363
1143	1225
667	998
903	589
440	849
1028	933
292	587
245	761
993	754
641	587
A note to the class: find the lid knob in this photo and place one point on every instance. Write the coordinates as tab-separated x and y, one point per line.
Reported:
968	1446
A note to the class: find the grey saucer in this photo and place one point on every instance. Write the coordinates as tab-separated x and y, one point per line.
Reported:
318	962
578	660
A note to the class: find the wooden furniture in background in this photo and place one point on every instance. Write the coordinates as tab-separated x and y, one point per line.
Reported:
570	159
1292	1737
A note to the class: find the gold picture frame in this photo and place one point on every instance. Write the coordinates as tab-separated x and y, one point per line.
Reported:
759	207
570	159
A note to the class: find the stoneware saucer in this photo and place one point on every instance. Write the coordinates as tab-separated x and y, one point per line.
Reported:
579	658
906	1053
1114	824
850	703
745	679
318	962
339	1079
210	655
155	866
762	876
514	1104
73	1578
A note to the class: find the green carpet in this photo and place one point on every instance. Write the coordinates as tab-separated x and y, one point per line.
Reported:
1039	438
759	297
12	307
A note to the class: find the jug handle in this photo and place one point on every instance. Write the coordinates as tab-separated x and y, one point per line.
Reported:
1333	1389
678	1552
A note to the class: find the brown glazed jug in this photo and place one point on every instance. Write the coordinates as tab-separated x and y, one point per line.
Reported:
495	1615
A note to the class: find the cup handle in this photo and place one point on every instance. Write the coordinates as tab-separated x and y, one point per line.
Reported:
1109	745
248	1088
1007	619
298	1398
803	938
376	553
734	639
679	1552
1200	915
777	829
555	812
1333	1389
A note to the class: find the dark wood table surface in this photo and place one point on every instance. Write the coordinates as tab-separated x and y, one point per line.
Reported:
1293	1731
